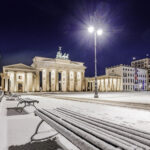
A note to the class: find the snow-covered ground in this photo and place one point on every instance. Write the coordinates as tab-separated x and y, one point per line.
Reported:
20	128
3	126
135	118
135	97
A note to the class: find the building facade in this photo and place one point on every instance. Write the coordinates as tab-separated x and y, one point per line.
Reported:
19	78
62	74
144	64
133	79
45	74
59	74
104	83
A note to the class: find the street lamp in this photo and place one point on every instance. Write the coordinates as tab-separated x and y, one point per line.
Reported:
96	32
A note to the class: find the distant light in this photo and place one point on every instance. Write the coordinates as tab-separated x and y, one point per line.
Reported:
91	29
99	32
134	58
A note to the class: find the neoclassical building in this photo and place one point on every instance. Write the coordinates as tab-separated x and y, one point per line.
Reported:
19	78
45	74
59	74
55	75
105	83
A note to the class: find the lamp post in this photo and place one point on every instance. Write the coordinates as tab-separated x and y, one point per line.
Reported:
96	32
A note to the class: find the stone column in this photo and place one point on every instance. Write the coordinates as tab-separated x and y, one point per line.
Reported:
67	81
50	80
33	82
86	85
93	85
25	82
117	84
104	85
72	81
44	80
37	81
47	80
100	85
66	77
64	81
75	81
78	81
6	84
34	79
15	82
82	81
56	80
109	84
53	80
120	85
112	84
80	85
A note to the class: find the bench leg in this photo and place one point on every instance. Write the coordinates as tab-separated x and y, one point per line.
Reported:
25	106
18	104
36	131
21	107
34	106
31	104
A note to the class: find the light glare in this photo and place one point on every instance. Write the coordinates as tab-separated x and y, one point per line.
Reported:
91	29
99	32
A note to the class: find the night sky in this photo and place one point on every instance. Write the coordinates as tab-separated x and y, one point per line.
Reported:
31	28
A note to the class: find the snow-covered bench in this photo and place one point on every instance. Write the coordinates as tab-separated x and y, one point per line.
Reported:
27	102
88	133
12	97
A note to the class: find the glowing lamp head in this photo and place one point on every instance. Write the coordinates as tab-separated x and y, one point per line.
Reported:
99	32
91	29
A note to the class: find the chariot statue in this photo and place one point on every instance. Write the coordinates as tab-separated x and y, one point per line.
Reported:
59	54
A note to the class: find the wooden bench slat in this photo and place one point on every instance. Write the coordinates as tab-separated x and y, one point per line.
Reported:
110	137
76	140
134	136
97	133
